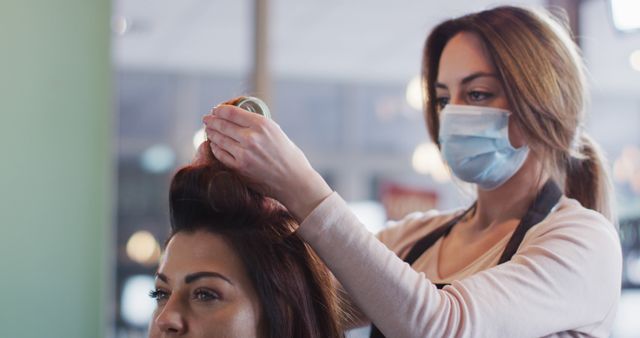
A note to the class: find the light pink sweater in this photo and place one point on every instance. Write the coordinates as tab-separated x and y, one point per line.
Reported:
564	280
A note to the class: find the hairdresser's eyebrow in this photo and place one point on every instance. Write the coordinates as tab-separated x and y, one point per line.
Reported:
162	277
468	79
190	278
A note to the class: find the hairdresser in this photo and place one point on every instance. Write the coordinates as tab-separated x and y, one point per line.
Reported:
536	255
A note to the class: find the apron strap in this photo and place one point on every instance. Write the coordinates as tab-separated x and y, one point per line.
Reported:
546	199
541	207
431	238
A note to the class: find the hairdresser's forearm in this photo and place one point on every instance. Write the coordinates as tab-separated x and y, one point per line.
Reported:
305	196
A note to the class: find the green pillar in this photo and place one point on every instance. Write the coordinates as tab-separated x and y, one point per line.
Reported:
55	168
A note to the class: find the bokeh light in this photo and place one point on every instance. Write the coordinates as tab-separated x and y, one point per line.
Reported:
136	305
414	93
199	137
427	160
157	159
143	248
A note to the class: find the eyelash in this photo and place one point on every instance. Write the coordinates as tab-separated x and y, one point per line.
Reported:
202	295
441	102
158	294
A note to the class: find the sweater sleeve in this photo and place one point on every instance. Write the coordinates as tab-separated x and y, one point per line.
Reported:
395	239
564	277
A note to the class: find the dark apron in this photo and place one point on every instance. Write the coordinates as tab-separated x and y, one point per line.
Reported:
547	198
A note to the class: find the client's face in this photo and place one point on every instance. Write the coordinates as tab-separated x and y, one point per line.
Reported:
203	290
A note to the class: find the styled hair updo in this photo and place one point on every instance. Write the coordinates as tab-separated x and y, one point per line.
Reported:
295	289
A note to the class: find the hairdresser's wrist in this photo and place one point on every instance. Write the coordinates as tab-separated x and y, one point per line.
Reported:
303	199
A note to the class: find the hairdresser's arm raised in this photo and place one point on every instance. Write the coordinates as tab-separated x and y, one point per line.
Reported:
257	148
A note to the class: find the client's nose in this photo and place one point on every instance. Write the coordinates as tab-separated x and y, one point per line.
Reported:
170	319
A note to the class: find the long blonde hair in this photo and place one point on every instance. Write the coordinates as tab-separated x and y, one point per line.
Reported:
543	75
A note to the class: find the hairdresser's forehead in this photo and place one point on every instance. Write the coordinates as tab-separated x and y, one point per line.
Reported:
462	56
200	251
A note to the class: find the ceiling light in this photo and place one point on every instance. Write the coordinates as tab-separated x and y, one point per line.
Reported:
625	14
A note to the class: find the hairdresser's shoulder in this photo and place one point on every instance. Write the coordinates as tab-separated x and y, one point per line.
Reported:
571	217
581	238
580	249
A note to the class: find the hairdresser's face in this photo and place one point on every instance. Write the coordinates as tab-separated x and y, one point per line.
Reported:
203	290
467	76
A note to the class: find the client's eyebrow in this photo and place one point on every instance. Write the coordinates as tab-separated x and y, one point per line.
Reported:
468	79
190	278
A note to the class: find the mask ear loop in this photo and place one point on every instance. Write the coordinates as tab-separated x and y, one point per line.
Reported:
525	146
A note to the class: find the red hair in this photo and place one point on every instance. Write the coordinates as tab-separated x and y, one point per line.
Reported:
294	287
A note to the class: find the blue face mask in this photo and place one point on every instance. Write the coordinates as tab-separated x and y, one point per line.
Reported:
475	144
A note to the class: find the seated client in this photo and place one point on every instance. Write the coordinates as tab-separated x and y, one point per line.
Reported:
233	267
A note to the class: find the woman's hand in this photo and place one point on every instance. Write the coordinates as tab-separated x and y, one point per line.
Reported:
258	149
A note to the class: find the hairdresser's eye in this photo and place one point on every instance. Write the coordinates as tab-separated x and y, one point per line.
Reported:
159	295
442	101
476	96
205	295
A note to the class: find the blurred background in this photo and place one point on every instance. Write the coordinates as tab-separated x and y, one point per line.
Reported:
102	101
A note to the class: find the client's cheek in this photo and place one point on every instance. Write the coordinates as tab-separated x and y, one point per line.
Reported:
235	319
154	330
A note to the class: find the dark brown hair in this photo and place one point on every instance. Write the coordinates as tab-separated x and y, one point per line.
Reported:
295	289
543	76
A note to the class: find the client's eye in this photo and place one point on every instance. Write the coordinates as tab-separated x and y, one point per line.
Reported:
205	295
159	295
